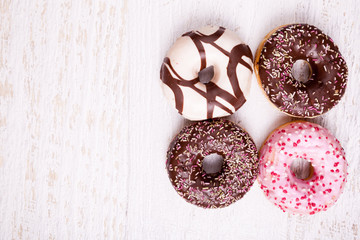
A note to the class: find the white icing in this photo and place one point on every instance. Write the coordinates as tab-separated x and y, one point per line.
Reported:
208	30
228	40
220	112
220	62
225	103
244	76
185	58
168	94
195	106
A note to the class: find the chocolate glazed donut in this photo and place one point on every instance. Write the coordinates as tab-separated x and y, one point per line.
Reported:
322	88
228	100
212	138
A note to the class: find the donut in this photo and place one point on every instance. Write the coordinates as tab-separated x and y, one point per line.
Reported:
195	148
207	73
301	70
302	168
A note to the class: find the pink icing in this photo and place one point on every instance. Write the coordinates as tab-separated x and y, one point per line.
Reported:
311	142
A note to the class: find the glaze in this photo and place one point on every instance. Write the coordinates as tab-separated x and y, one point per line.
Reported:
310	142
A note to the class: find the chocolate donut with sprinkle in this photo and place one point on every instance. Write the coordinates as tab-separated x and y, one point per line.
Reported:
301	70
212	163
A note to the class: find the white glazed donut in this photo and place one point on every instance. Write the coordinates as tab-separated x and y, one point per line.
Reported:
207	73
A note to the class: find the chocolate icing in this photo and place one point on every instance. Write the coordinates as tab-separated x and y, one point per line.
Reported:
212	90
186	154
327	82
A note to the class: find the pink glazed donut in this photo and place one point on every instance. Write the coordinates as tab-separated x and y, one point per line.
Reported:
302	168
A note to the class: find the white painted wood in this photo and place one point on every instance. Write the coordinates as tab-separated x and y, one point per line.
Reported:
84	127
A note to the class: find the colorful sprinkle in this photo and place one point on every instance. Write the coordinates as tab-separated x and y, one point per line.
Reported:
326	183
239	170
325	86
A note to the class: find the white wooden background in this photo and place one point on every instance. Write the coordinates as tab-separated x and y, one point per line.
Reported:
84	127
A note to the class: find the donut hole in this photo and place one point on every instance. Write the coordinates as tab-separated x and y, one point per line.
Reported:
301	71
302	169
206	75
212	163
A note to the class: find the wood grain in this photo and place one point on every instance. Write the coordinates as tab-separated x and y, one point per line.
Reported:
84	127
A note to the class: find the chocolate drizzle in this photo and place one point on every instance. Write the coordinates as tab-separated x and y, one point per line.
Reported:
327	82
212	90
185	163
